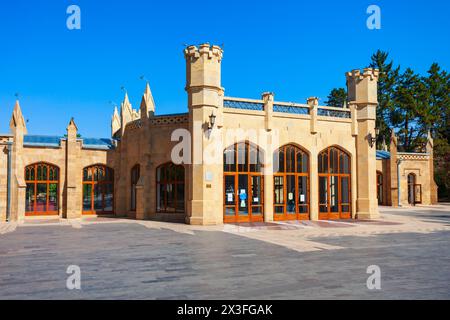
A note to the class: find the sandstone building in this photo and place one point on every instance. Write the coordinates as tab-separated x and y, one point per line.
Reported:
242	160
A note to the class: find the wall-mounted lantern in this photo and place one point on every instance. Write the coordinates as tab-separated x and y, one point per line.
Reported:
212	121
373	139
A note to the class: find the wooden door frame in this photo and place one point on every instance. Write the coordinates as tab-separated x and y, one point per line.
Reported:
92	182
249	174
339	214
47	182
297	215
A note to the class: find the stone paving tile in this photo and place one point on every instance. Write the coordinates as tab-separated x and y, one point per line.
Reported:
122	259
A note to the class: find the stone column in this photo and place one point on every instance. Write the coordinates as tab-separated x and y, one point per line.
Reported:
433	186
203	86
140	201
393	170
362	91
73	174
18	187
313	104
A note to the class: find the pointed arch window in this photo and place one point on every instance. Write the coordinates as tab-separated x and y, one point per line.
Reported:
291	183
170	188
42	189
135	174
334	184
243	183
98	190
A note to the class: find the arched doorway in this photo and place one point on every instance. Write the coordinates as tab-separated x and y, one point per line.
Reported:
135	174
334	184
291	183
170	188
42	191
243	183
380	187
98	190
414	190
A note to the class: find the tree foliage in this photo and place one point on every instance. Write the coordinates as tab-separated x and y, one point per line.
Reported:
337	98
412	105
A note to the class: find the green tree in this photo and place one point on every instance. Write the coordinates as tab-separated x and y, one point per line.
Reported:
407	103
387	82
337	98
437	119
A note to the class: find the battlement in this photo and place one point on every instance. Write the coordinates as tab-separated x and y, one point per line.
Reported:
367	72
204	50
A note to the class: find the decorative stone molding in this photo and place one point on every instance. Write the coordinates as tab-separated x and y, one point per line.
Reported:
206	50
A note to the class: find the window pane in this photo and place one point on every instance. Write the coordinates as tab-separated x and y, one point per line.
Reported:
243	194
302	190
180	197
334	194
323	191
108	197
170	193
52	197
98	202
323	162
229	159
281	161
242	157
87	197
279	190
344	163
256	190
29	200
333	160
229	190
230	211
256	211
39	173
291	196
255	159
345	190
279	209
160	197
41	197
290	159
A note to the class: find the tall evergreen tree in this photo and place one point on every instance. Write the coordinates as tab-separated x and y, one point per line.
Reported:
337	98
407	101
437	119
387	83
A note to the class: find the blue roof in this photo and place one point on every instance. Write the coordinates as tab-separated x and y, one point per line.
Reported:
41	141
381	155
55	142
96	143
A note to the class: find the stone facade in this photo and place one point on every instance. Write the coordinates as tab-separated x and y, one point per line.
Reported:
213	122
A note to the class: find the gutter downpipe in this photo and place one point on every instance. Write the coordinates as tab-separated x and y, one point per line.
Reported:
399	161
8	188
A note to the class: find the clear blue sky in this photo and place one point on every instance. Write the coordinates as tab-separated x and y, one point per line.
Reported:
296	49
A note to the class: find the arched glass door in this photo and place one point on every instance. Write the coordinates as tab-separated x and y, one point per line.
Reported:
170	188
380	187
135	174
291	184
98	190
41	197
334	184
243	183
414	190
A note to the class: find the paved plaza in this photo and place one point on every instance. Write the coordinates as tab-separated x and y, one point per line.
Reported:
128	259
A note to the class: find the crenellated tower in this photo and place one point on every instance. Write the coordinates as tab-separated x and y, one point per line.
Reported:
205	96
362	93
